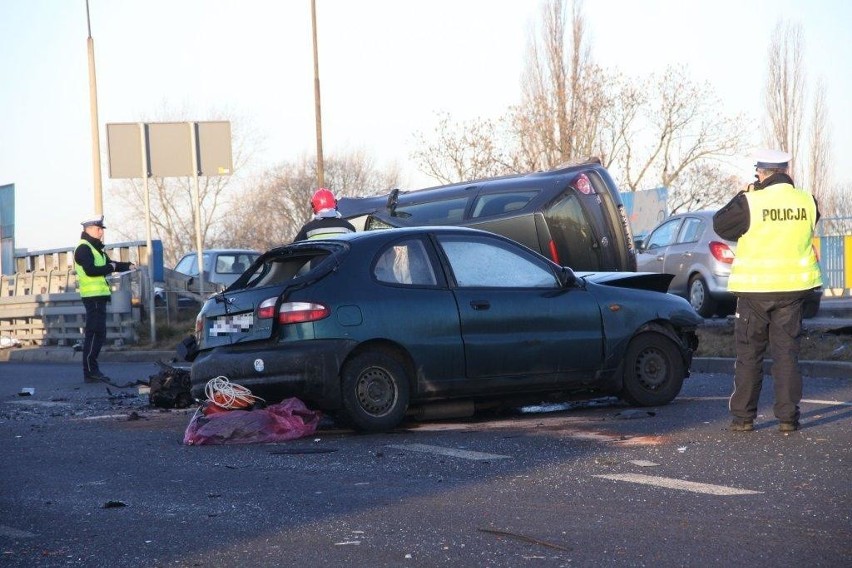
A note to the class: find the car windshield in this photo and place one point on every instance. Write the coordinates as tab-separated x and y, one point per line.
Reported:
232	263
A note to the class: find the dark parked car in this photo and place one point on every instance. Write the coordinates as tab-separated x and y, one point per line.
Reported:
686	246
572	214
372	324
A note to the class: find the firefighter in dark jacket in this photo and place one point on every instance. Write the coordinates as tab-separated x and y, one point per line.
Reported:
326	220
774	271
92	266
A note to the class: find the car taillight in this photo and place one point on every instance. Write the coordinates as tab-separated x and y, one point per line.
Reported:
583	185
721	252
300	312
553	253
266	309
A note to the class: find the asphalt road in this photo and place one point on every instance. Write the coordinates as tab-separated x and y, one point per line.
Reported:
92	477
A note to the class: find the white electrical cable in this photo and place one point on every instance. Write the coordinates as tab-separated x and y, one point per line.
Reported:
222	392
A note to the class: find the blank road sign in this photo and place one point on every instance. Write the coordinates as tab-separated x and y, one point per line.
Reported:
124	144
170	147
214	148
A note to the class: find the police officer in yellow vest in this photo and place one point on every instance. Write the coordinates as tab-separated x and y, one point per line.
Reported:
92	265
775	269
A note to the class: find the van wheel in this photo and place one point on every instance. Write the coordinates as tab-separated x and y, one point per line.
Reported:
653	370
700	298
375	391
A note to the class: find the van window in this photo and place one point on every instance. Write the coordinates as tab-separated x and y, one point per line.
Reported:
501	203
234	263
447	212
572	233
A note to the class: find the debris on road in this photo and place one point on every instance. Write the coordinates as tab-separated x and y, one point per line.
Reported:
287	420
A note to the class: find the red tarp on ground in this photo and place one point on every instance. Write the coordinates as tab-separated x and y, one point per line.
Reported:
287	420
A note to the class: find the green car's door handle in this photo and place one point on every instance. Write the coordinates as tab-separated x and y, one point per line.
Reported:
480	304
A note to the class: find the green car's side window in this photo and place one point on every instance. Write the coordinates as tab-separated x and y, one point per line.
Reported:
480	263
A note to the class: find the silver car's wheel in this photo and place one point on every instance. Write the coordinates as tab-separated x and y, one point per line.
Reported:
700	298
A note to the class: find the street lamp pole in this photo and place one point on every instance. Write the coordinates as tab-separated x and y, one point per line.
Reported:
93	112
320	165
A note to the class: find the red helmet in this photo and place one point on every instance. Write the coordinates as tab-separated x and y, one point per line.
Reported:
323	199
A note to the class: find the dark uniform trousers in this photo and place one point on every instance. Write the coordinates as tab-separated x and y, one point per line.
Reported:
95	333
760	323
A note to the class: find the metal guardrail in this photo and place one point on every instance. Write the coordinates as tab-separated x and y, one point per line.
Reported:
45	308
835	260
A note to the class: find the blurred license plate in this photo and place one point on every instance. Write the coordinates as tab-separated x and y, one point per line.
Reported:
236	323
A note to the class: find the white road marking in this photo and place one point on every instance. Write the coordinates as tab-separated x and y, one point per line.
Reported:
827	402
804	400
644	463
679	484
14	533
464	454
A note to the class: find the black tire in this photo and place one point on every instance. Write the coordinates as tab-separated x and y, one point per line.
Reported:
653	370
375	391
699	297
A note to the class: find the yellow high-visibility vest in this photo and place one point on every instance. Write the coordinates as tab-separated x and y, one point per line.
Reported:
92	285
776	254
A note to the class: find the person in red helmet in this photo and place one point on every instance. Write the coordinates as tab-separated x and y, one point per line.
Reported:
326	221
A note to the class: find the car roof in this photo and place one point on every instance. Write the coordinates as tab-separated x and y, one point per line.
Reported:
402	231
702	213
225	250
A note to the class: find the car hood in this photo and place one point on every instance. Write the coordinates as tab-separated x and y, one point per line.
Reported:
653	281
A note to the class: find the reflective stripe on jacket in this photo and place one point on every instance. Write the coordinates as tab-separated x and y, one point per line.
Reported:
91	286
776	254
322	232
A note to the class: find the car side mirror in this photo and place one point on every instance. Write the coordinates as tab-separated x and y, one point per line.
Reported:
567	278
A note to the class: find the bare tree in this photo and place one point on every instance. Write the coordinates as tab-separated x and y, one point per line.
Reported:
820	147
563	95
464	151
836	210
659	135
273	210
785	91
703	185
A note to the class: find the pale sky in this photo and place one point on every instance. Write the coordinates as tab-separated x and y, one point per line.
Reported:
386	68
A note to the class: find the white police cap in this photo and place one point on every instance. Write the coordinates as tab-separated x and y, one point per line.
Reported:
771	159
94	221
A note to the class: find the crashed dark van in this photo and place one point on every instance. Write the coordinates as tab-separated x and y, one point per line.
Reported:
573	214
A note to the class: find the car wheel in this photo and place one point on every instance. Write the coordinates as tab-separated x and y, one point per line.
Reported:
653	370
700	298
375	391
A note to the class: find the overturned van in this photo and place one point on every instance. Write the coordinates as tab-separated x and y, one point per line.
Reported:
572	214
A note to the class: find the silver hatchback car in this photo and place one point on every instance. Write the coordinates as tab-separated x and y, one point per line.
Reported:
686	246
